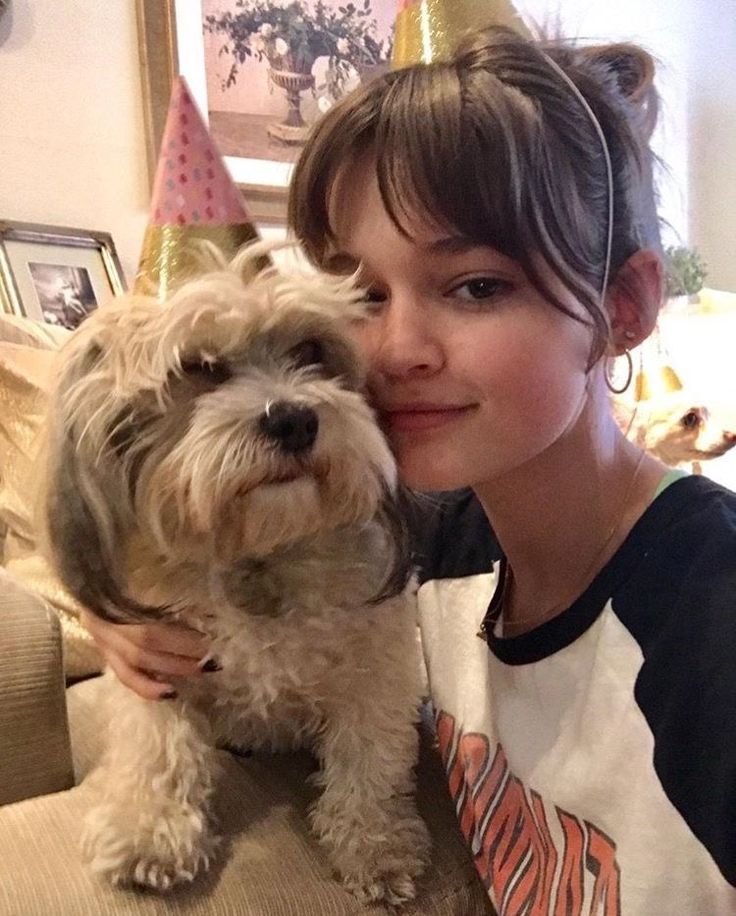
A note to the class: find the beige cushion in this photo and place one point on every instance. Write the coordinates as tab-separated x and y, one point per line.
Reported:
28	362
35	756
269	864
29	333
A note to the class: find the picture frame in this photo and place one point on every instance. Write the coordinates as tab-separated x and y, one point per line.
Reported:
173	42
56	274
161	27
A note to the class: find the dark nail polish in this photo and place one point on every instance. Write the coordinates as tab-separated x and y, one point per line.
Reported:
169	695
211	666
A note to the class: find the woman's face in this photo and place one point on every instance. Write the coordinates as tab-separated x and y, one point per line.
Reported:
472	372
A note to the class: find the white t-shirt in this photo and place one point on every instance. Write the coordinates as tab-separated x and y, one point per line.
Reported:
592	760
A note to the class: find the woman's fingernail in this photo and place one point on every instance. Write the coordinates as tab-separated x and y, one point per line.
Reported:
211	665
169	695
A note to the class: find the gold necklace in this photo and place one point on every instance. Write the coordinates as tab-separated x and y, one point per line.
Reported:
583	580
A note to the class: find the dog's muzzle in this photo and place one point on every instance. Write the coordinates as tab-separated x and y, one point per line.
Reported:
293	427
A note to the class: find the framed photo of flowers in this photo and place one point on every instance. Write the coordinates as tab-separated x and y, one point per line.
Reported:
56	274
262	72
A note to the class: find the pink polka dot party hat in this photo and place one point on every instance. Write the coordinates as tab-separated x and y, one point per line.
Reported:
193	198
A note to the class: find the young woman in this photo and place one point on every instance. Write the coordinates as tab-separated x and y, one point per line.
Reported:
500	210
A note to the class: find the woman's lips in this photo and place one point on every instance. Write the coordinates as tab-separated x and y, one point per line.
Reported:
410	418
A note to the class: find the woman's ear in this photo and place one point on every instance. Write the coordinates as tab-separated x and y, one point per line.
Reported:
634	299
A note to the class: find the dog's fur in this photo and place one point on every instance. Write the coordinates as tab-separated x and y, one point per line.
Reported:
172	494
677	428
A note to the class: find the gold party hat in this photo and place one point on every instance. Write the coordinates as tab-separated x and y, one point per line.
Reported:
662	381
429	30
194	198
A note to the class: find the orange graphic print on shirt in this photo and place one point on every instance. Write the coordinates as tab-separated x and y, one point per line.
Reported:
506	826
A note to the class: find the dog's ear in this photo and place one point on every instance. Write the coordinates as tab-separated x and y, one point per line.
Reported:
87	512
392	514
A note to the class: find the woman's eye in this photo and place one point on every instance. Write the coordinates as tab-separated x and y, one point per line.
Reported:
481	288
373	298
307	353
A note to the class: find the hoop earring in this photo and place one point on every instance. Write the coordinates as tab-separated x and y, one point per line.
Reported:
629	374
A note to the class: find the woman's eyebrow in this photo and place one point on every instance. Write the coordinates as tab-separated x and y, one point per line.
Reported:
452	244
461	244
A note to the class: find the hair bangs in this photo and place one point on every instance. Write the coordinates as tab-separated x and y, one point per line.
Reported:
435	158
462	159
494	146
441	162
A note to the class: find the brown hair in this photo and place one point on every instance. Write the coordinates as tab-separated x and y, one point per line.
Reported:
496	146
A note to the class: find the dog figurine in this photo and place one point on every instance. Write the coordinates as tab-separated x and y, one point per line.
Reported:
678	429
212	460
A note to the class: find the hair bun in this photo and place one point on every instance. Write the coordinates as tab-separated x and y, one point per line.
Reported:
632	66
633	69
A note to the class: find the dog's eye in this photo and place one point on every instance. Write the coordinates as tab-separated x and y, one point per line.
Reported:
211	371
307	353
691	420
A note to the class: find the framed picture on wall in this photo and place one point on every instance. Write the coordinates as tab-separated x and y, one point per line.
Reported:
262	72
56	274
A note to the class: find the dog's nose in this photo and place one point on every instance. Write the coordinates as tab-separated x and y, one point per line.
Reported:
293	426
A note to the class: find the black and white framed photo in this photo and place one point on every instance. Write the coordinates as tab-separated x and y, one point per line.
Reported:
56	274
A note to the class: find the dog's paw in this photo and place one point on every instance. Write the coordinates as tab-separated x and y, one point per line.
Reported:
153	850
379	857
393	889
386	871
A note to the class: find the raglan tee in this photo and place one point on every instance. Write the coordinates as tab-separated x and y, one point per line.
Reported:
592	761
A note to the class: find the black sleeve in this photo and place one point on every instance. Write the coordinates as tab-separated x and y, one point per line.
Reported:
450	535
681	609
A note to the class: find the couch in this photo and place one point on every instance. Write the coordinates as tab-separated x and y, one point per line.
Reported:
52	728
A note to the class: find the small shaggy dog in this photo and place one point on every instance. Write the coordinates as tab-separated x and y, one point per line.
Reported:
678	429
212	460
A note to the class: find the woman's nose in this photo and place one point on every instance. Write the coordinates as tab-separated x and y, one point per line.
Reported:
402	341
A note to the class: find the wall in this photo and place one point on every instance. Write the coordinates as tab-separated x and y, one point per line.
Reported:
712	136
71	128
71	123
694	42
662	27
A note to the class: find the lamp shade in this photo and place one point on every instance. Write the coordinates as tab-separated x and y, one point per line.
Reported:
655	383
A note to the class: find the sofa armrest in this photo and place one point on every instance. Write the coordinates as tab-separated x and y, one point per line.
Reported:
35	752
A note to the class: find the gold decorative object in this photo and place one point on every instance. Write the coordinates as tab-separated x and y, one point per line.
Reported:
652	384
429	30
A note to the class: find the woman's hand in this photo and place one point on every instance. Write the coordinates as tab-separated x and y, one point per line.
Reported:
146	657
